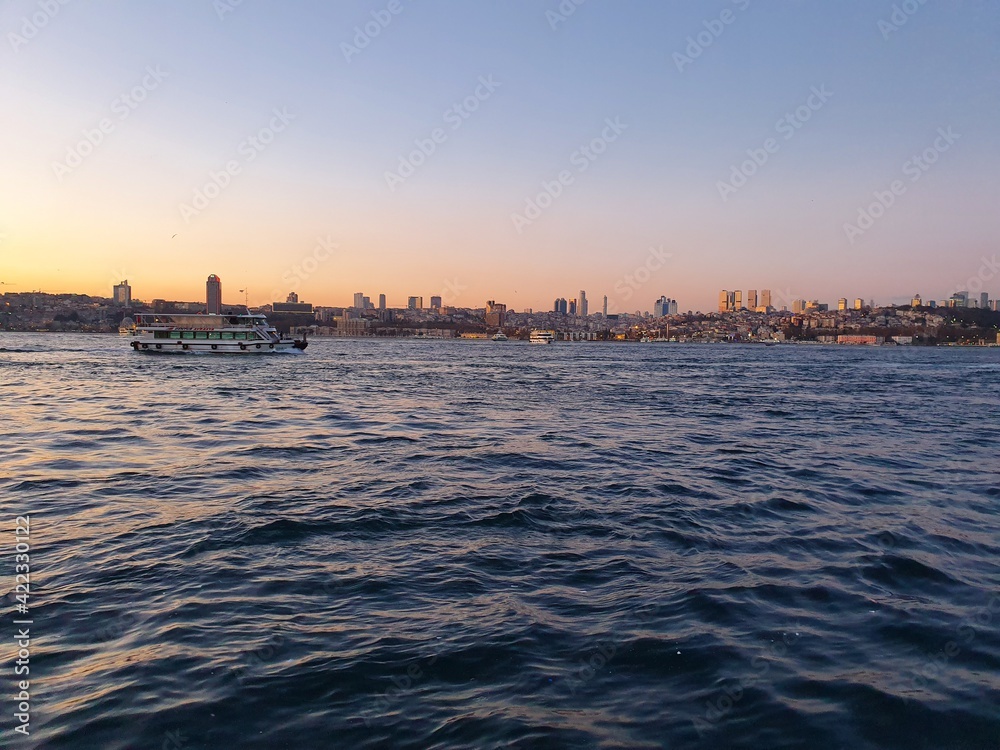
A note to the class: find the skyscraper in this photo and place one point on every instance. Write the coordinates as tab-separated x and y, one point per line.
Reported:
751	299
661	308
605	309
381	302
414	303
359	301
123	294
738	300
859	303
584	311
213	295
984	301
842	303
435	303
572	307
765	297
798	306
723	301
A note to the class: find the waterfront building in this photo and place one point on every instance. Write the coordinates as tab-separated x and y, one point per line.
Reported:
213	295
123	294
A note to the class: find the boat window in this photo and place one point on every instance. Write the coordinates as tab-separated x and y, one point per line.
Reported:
175	334
214	335
227	335
187	334
161	335
201	335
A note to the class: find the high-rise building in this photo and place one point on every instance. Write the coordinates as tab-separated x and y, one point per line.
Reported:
798	306
292	298
751	299
366	303
765	297
435	303
984	301
605	308
584	311
560	306
673	307
859	304
496	314
572	307
359	301
842	303
724	298
381	302
916	301
123	294
960	299
664	306
738	300
414	303
213	295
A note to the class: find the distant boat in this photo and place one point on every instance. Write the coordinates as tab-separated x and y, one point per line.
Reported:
500	336
127	327
542	337
214	334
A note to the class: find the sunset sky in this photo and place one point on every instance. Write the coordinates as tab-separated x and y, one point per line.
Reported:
162	143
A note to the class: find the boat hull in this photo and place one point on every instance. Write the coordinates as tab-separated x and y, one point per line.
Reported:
154	346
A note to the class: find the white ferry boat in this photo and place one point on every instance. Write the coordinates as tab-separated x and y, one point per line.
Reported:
542	337
500	336
216	334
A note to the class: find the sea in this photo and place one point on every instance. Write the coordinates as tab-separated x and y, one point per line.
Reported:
467	544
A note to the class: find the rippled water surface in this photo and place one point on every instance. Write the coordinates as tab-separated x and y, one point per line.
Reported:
421	544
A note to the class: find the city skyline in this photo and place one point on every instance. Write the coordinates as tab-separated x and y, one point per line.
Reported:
466	149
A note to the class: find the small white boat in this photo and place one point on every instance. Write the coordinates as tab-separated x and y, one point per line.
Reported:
542	337
499	336
215	334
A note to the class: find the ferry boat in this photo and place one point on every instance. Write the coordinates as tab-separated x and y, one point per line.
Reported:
215	334
500	336
542	337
